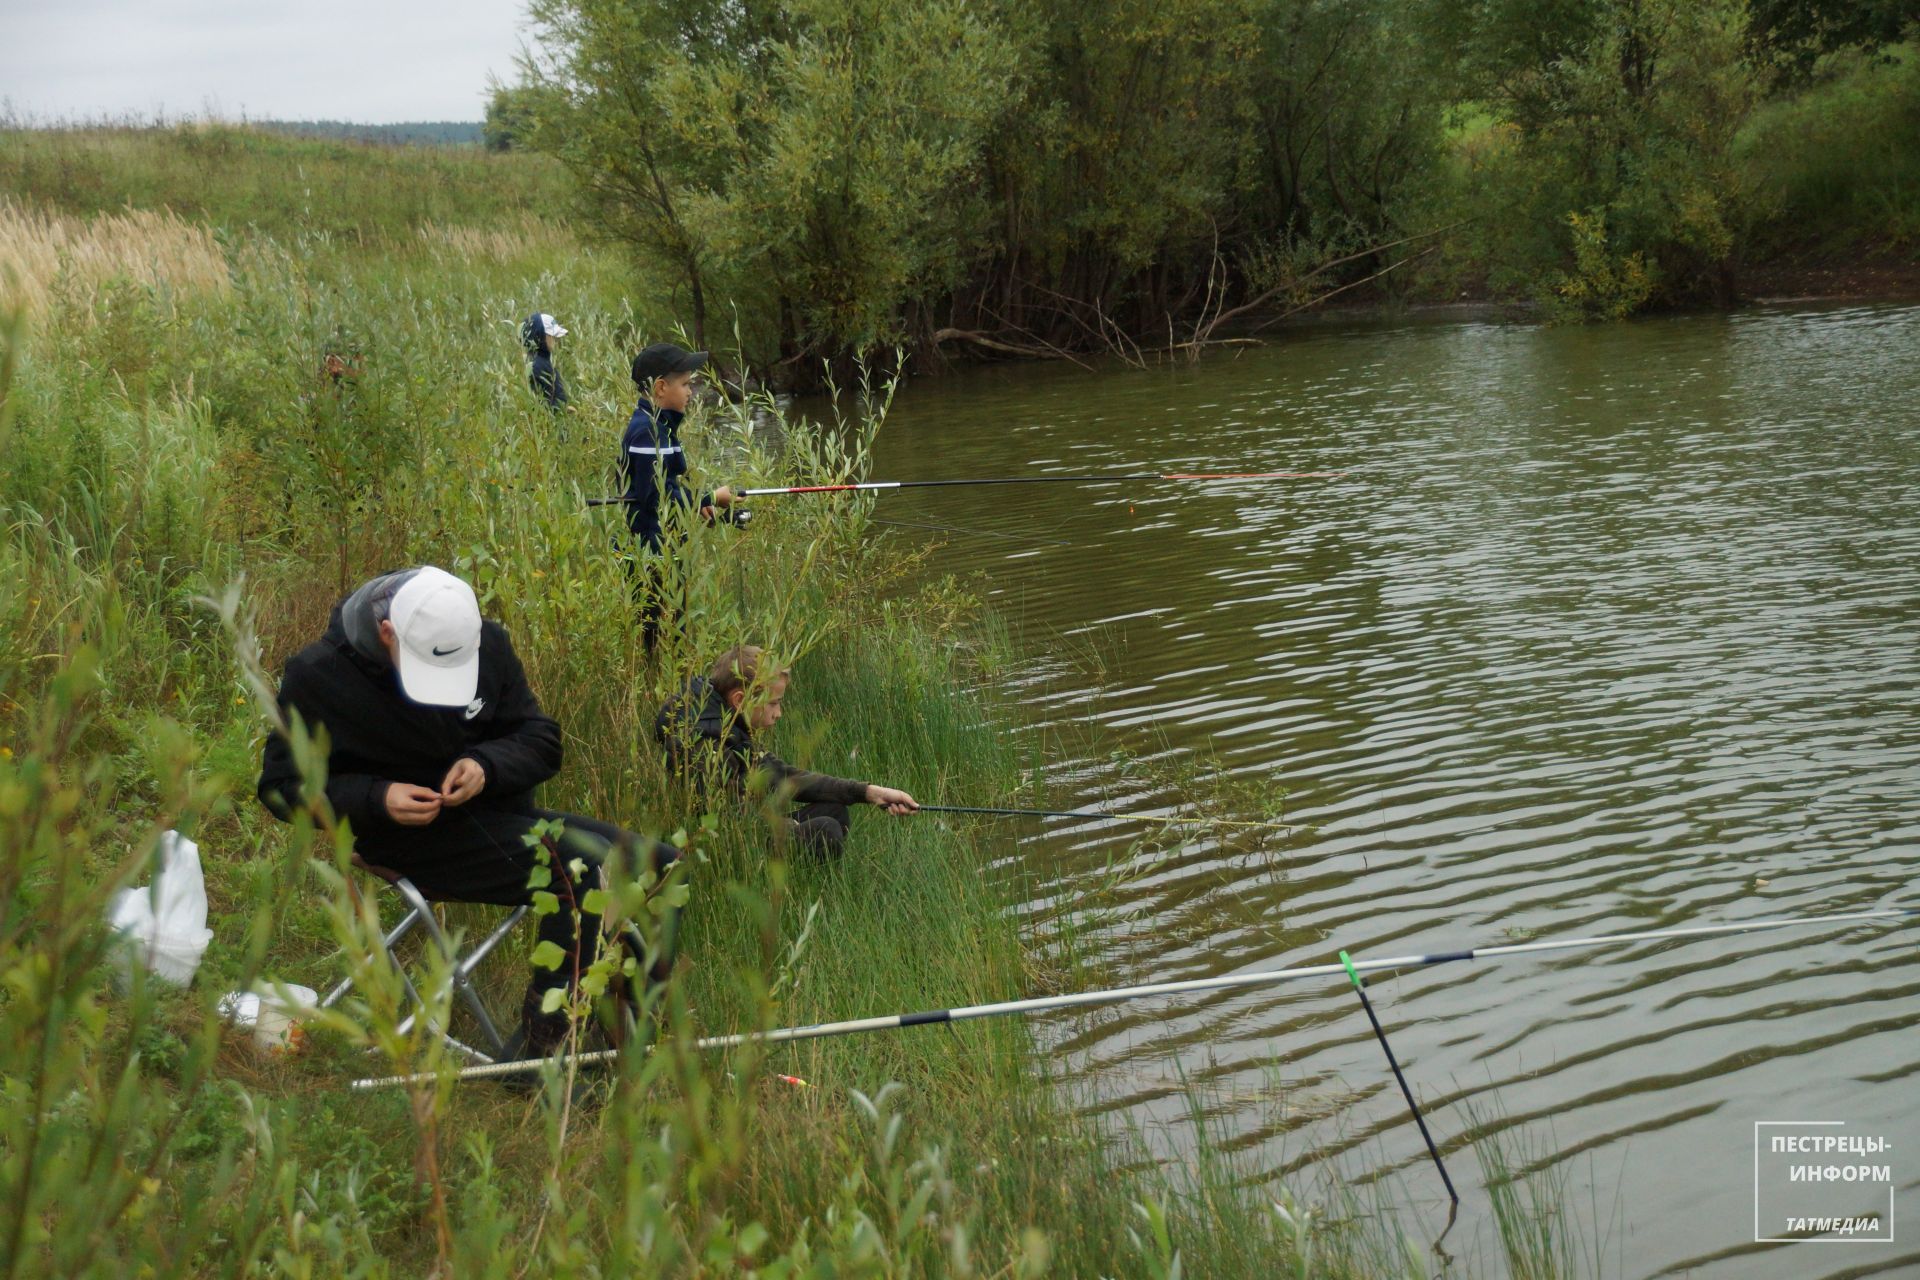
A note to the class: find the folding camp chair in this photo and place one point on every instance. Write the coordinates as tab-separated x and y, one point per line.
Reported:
460	968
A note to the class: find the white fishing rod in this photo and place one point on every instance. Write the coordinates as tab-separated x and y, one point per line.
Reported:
967	1013
1115	477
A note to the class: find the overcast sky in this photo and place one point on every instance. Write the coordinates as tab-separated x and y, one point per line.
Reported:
373	63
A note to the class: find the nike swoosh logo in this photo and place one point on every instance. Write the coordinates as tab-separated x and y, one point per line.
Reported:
441	653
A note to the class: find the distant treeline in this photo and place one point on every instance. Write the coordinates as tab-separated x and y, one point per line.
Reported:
410	133
1055	176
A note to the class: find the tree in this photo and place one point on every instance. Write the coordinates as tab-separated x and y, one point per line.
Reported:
817	155
1023	177
1618	182
511	113
1796	32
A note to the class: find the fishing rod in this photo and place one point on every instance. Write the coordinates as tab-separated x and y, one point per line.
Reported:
1110	817
874	486
738	516
1111	995
1406	1090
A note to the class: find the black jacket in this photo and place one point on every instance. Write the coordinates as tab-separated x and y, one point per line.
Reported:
702	735
377	735
546	380
653	463
542	376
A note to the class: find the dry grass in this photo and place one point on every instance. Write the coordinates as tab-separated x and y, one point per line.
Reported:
59	258
523	237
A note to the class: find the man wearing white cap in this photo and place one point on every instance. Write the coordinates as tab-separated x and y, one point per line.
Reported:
435	744
536	335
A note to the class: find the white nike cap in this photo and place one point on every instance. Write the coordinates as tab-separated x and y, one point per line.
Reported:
437	622
551	326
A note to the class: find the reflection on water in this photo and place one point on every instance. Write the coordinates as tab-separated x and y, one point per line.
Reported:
1606	629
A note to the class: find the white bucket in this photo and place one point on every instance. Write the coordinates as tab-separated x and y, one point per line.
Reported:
275	1022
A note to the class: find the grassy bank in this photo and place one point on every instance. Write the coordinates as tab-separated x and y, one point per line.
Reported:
1834	168
171	435
234	178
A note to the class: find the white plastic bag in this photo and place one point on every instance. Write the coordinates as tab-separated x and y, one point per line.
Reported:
165	924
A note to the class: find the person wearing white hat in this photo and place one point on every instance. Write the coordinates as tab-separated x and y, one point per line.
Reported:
537	333
435	744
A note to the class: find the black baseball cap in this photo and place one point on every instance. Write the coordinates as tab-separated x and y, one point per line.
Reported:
663	358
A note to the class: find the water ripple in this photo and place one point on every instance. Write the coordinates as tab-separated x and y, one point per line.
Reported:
1606	629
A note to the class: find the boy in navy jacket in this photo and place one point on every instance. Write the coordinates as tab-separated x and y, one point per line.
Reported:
653	463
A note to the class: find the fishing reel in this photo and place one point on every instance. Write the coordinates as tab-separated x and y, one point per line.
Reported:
735	516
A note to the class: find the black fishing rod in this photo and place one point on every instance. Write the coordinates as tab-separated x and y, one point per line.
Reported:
875	486
1090	813
928	1017
1406	1090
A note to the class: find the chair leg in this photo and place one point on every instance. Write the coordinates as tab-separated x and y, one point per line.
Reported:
463	983
387	944
423	911
462	969
420	915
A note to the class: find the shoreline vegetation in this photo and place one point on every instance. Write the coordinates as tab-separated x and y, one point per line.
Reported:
189	484
1762	156
461	199
1053	181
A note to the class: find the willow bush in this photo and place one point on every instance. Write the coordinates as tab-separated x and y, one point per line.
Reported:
1046	179
1015	177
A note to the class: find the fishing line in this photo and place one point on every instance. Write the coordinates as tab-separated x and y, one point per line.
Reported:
1110	817
1406	1090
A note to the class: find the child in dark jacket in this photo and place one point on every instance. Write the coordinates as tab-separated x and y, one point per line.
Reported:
537	335
653	462
653	468
707	732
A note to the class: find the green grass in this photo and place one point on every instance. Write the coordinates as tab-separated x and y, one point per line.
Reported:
234	178
176	436
1837	165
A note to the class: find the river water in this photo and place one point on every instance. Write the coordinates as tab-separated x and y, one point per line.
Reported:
1605	629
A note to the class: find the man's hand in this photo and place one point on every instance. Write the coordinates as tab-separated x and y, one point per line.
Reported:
412	806
894	801
723	496
463	782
